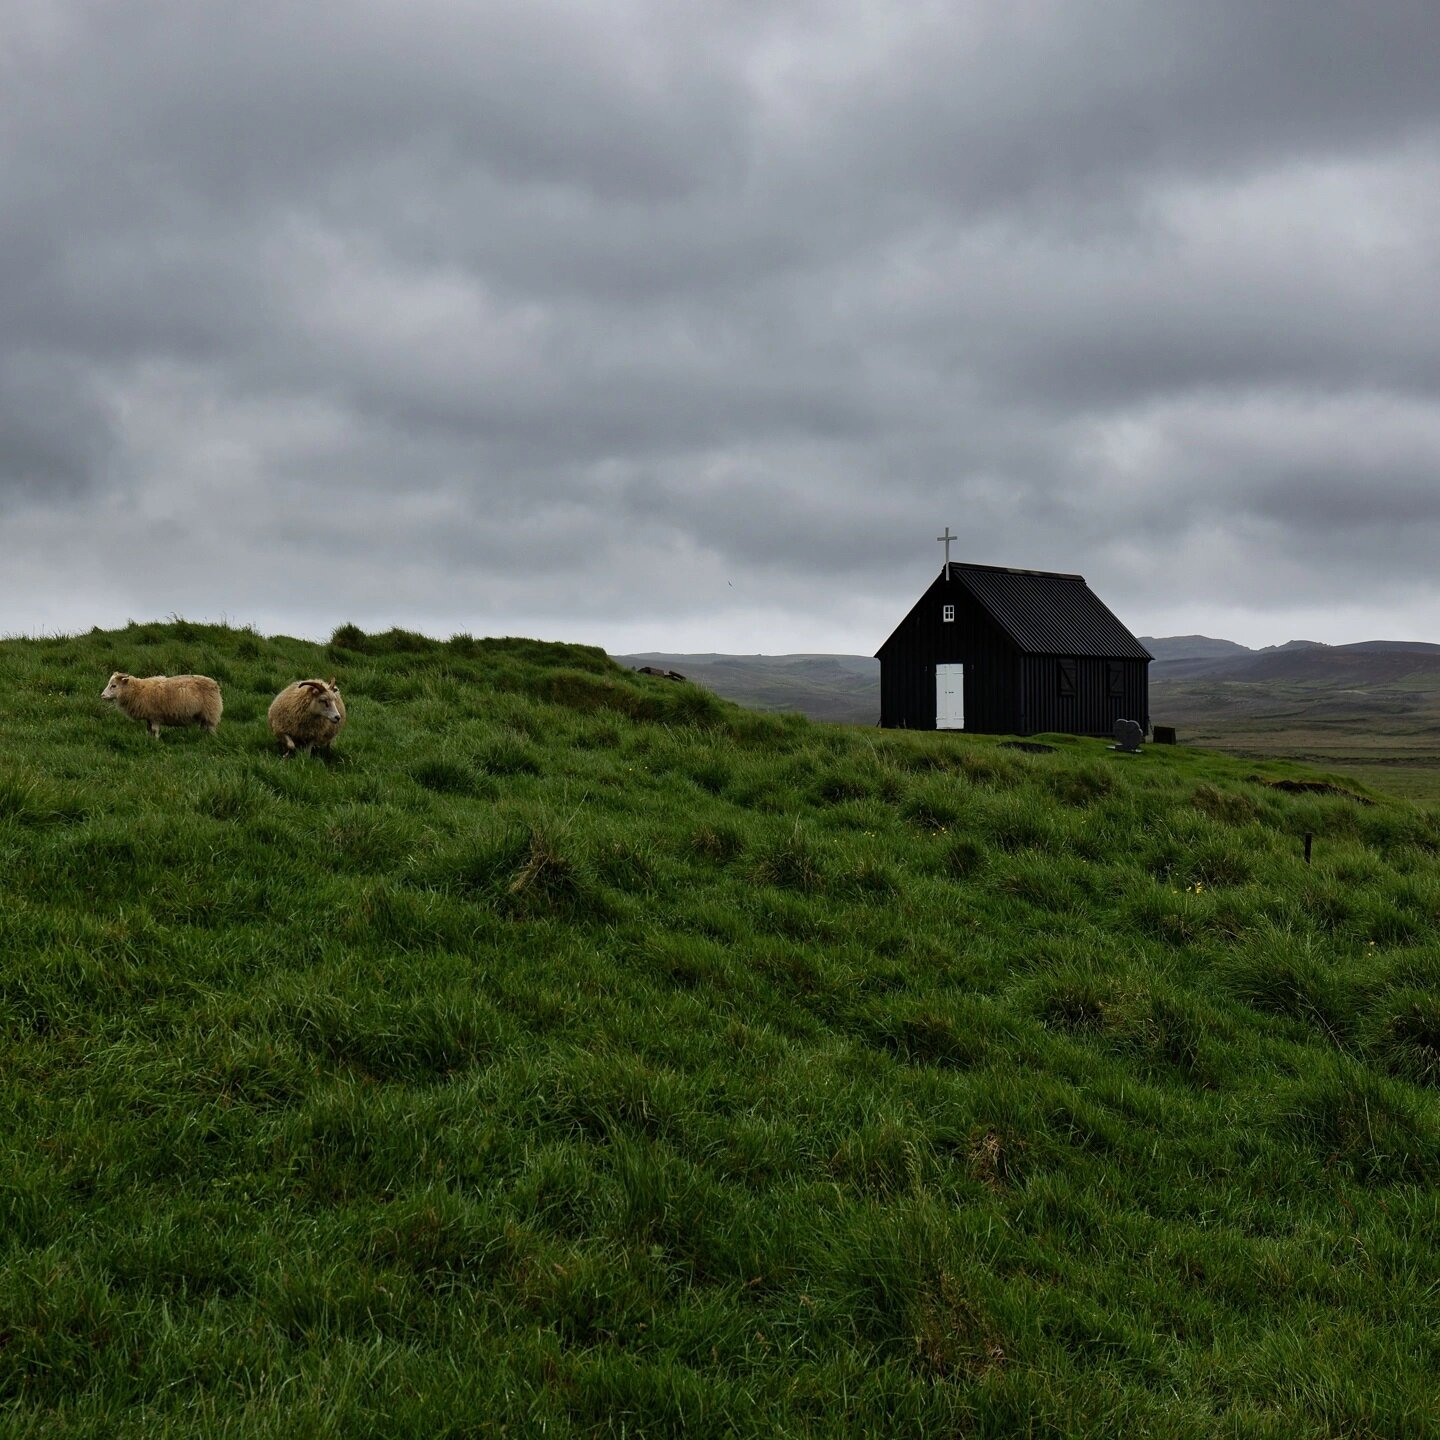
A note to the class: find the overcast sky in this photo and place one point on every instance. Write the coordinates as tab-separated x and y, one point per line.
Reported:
689	326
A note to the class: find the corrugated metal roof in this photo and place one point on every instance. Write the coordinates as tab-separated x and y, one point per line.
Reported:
1049	614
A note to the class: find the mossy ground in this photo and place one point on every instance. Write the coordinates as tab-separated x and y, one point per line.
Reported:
576	1054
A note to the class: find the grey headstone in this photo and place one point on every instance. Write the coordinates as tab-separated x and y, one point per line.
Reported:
1128	736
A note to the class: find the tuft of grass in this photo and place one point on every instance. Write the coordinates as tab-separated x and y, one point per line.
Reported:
1231	807
792	863
1403	1034
718	843
507	754
1080	786
1347	1118
1283	976
932	805
349	637
37	800
964	856
550	880
446	776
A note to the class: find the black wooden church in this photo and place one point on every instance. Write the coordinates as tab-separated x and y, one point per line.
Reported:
1012	652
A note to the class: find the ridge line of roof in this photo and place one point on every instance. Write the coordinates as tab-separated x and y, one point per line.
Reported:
1013	570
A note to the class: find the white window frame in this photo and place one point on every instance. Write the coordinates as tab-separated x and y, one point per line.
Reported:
947	614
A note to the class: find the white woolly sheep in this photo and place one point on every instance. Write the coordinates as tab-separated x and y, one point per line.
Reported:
306	714
159	700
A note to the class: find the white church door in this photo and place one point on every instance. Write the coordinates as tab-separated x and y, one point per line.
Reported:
949	697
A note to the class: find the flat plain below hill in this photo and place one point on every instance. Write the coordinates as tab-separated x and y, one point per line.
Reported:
578	1054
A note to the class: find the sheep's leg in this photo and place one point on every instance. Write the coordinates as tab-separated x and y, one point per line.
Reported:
153	728
289	749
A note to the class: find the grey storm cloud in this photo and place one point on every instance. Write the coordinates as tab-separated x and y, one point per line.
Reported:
689	326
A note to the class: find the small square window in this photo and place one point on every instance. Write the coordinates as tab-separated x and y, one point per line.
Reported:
947	614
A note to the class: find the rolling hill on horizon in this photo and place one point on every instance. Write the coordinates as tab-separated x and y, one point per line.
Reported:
1362	662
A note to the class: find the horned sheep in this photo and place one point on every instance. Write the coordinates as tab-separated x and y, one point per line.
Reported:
161	700
306	714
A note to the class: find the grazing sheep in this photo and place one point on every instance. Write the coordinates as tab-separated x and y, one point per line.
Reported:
306	714
160	700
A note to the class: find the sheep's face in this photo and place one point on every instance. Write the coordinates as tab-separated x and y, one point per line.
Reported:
118	683
322	701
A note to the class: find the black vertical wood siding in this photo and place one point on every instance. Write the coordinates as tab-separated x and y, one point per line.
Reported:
1091	710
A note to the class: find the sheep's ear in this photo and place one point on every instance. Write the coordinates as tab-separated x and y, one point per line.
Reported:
331	683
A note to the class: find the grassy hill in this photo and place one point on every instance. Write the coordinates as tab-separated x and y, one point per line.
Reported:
578	1054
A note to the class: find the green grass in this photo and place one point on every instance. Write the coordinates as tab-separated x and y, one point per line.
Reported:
574	1053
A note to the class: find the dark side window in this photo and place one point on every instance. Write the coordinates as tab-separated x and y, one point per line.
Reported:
1114	679
1065	672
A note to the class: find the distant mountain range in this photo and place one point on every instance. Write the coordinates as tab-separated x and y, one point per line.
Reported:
1206	647
1192	647
1191	673
1368	663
